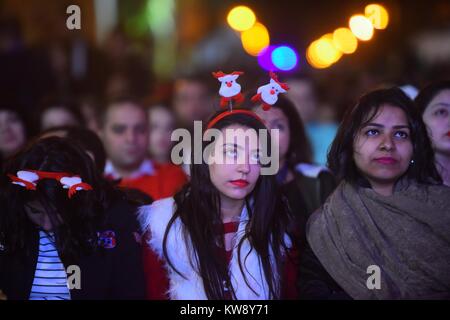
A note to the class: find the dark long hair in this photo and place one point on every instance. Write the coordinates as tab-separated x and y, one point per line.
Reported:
198	208
340	157
75	220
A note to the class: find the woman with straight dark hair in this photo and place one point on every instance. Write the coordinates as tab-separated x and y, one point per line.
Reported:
226	234
59	217
384	233
433	102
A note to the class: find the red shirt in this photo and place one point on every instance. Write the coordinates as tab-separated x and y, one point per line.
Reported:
165	181
157	280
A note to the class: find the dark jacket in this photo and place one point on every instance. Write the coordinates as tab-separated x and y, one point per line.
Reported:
107	273
314	282
305	195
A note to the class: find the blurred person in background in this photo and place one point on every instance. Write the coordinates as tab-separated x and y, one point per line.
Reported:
433	102
193	99
320	120
124	131
13	131
305	185
161	124
58	113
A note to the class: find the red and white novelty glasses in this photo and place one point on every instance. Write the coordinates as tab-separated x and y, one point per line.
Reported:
29	178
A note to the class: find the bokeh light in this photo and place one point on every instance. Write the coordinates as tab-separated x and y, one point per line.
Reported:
265	59
361	27
241	18
322	53
377	15
255	39
344	40
284	58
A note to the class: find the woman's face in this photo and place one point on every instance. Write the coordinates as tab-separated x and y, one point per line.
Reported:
37	215
12	133
383	148
162	124
437	119
57	117
236	176
274	118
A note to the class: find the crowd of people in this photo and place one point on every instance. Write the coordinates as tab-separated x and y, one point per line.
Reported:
91	183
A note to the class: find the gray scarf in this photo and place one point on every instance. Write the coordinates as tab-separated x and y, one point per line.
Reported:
406	235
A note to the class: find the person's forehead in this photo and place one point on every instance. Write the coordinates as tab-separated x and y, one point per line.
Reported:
183	86
390	113
441	97
238	134
125	113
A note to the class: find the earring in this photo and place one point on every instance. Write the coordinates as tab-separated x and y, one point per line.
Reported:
412	161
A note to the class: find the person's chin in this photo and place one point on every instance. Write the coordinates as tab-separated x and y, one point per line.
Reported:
237	194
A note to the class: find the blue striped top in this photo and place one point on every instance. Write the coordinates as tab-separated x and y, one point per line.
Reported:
50	278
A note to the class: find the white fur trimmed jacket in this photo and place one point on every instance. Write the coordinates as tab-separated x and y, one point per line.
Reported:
155	218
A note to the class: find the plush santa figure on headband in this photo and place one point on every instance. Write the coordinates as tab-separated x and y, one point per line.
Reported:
229	90
268	94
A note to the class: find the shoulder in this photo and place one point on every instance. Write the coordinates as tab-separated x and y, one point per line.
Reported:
156	214
122	214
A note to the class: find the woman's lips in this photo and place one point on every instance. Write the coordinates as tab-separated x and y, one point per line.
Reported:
448	134
386	160
240	183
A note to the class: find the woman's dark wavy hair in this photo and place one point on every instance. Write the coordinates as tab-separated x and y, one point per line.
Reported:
428	93
340	156
76	219
198	208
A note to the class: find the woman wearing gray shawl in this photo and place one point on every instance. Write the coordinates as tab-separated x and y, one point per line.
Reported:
385	231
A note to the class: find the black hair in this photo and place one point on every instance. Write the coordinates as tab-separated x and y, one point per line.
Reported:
198	207
428	93
340	156
75	219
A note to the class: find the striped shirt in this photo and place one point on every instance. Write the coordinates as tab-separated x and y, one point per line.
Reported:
50	278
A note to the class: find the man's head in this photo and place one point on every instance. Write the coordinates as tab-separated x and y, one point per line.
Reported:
124	131
192	99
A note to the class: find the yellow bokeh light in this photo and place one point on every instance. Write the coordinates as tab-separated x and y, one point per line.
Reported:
255	39
377	15
326	51
311	57
361	27
344	40
241	18
322	53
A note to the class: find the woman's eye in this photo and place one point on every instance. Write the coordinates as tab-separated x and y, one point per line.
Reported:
441	112
231	153
401	134
372	132
256	157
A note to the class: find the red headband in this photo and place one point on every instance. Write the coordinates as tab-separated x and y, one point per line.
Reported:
29	178
229	113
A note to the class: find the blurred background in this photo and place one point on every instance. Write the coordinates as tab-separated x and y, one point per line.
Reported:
330	52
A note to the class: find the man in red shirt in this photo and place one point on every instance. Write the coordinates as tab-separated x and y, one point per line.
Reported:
124	131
